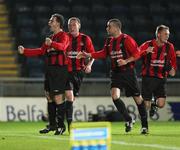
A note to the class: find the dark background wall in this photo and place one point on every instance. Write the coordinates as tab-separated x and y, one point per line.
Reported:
90	87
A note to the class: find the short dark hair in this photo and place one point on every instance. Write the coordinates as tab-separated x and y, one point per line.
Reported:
60	19
160	28
117	22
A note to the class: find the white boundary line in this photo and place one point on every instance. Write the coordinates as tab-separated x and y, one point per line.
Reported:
158	146
37	136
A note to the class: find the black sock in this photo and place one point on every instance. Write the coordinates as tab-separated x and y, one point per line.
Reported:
69	111
143	114
60	111
52	113
122	109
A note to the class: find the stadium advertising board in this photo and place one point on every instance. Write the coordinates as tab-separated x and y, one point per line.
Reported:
31	109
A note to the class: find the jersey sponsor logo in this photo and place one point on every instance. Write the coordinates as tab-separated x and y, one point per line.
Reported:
159	63
116	54
72	54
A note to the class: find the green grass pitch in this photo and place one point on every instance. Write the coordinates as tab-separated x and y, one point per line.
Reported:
25	136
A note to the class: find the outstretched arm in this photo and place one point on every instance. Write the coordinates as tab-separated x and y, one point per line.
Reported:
31	51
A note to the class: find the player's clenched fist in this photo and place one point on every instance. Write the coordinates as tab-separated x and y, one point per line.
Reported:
48	41
21	49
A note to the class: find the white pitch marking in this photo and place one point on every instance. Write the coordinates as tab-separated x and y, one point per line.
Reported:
158	146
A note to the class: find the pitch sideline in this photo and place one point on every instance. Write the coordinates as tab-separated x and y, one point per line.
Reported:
158	146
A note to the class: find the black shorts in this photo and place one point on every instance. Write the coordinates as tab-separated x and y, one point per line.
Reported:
55	79
74	81
153	87
126	80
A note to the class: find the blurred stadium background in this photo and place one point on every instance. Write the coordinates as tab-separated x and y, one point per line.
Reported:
25	22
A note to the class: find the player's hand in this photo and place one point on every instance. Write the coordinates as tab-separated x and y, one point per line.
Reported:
150	49
87	69
50	49
48	41
121	62
178	53
83	55
172	72
21	49
80	55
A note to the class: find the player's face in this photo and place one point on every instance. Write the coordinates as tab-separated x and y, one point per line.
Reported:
73	27
53	24
163	36
110	28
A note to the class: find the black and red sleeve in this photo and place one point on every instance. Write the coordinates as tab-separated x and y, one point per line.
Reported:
132	47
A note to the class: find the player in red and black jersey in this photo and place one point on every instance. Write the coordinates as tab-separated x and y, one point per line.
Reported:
76	67
56	72
122	49
78	42
157	65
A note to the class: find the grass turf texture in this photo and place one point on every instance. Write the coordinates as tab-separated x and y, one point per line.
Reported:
25	136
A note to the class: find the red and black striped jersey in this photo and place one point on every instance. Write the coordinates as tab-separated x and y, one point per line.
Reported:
121	47
76	44
155	64
55	53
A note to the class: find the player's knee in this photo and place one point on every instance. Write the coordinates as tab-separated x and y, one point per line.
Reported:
161	102
58	98
115	97
161	105
70	98
115	93
69	95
